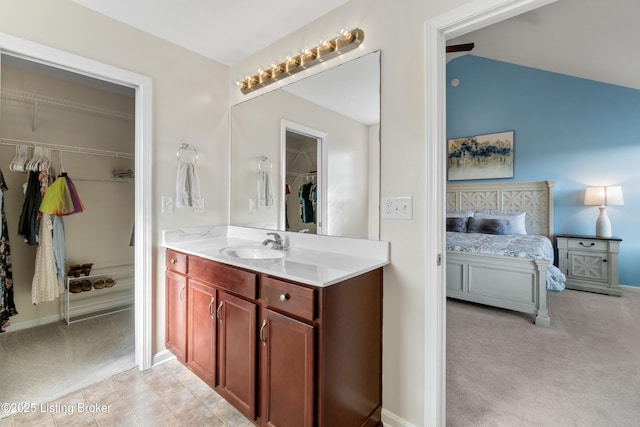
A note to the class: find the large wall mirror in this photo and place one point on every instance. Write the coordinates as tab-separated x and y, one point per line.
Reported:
306	157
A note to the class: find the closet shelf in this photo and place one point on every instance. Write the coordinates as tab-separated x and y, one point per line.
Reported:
100	302
32	98
67	148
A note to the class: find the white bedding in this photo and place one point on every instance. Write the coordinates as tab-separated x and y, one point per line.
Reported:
516	245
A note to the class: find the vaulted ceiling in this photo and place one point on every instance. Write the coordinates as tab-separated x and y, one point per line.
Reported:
592	39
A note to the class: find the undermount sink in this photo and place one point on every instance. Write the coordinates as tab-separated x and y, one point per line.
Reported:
252	252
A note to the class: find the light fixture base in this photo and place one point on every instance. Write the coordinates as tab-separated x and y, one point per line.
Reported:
603	224
345	42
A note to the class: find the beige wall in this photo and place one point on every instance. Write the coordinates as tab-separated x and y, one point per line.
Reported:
191	98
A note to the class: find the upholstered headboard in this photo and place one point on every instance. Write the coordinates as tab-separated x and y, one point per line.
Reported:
535	198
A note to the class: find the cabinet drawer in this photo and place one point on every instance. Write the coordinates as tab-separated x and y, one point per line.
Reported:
237	281
288	297
176	261
587	244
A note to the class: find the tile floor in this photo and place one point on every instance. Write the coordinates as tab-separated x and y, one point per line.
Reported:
166	395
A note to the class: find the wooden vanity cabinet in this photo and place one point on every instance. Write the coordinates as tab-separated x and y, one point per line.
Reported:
176	304
202	330
286	354
321	353
237	353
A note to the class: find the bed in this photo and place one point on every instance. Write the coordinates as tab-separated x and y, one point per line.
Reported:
509	279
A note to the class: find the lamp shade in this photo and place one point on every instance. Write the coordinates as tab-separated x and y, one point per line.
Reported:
603	196
594	196
613	195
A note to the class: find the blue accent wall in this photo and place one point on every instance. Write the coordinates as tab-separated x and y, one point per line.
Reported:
575	131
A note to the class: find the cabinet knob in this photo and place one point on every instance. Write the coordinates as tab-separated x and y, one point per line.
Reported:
173	261
284	297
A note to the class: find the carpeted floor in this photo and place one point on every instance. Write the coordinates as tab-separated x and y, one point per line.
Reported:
584	370
44	363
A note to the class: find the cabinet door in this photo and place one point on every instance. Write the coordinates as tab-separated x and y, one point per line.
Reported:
201	357
287	376
237	352
591	266
176	314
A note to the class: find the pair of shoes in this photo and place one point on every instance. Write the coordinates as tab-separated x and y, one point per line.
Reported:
98	284
109	283
75	287
86	285
75	270
86	268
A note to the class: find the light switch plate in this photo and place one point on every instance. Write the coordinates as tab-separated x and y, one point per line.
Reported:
397	207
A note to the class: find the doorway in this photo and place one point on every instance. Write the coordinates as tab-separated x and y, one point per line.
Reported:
35	52
304	203
453	24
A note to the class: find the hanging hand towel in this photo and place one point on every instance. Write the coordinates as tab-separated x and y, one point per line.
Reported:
187	186
265	189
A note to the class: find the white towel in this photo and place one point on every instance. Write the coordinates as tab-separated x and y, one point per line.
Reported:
187	186
265	189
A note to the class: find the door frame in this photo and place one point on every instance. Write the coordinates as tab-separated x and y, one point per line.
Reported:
464	19
142	85
321	181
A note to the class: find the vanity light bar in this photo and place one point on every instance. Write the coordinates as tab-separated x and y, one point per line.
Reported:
325	50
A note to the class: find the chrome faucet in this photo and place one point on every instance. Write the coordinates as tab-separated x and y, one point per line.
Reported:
276	242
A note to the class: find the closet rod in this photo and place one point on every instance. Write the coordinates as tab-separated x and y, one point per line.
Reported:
91	178
21	96
67	148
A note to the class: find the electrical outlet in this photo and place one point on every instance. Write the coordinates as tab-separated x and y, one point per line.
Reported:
397	208
167	205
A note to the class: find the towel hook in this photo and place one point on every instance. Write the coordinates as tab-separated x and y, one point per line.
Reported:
187	154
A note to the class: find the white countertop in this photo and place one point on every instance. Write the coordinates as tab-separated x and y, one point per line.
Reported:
310	259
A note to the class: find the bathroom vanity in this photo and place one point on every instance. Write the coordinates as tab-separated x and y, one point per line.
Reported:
289	337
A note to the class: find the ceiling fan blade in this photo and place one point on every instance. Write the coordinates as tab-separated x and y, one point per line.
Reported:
460	47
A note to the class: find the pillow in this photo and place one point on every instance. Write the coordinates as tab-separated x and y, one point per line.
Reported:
459	225
488	226
459	214
516	219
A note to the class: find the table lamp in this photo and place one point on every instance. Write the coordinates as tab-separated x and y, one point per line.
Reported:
603	197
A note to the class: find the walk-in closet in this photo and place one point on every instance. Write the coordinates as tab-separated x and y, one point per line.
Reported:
73	138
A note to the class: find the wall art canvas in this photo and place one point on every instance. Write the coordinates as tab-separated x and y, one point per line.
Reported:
480	157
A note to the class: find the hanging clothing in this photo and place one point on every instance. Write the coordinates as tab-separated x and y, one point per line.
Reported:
59	250
187	185
28	226
44	286
307	209
61	198
7	304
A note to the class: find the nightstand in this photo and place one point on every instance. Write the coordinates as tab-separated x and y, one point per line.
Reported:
590	263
